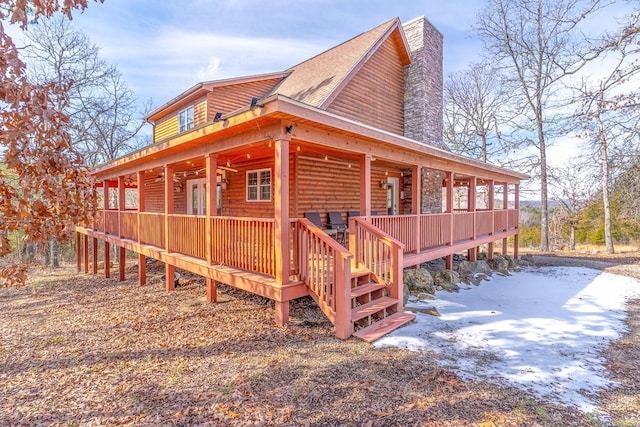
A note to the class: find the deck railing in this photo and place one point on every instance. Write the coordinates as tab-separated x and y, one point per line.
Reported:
187	235
445	228
246	243
153	226
483	222
435	230
400	227
463	226
325	267
129	225
379	252
111	222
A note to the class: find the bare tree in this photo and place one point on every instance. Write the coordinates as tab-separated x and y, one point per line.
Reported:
45	187
610	113
104	119
539	43
474	108
103	111
572	186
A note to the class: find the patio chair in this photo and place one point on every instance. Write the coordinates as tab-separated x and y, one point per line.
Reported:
337	223
315	219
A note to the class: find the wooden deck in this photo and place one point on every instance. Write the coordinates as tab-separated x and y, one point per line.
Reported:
359	288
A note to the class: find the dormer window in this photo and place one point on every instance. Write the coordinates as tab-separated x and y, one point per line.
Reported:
186	119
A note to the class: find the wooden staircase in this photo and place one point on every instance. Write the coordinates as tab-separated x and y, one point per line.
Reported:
373	312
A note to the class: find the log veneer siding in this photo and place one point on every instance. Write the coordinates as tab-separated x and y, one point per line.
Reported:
375	95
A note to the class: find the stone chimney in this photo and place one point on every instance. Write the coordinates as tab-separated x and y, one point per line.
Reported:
423	84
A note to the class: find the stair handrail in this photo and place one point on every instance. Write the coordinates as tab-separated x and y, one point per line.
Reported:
325	268
380	253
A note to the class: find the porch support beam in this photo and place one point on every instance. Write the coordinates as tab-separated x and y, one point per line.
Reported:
211	165
121	202
168	210
505	206
122	260
492	207
78	252
105	196
142	270
449	209
516	239
107	260
365	185
142	259
94	247
281	225
416	201
473	183
86	253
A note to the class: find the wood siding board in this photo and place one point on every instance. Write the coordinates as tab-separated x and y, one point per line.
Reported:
375	95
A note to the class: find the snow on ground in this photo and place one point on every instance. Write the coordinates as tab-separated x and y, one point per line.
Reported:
542	330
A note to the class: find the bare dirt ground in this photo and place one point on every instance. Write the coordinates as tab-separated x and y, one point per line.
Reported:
85	350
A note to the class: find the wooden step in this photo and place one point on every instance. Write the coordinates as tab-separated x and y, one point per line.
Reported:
359	272
372	307
384	326
365	289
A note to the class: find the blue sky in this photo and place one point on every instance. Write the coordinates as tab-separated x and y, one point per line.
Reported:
165	47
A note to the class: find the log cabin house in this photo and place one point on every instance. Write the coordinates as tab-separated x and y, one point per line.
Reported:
238	164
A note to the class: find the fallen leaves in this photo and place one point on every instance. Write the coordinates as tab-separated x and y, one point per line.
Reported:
92	351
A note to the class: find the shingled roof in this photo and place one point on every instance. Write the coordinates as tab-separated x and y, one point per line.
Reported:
315	80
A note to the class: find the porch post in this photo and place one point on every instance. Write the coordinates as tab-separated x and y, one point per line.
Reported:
471	202
492	206
86	253
449	258
94	247
107	260
281	225
211	165
416	202
168	210
105	192
121	207
365	185
79	252
517	224
505	206
142	260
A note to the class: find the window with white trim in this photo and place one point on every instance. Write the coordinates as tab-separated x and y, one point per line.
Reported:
186	119
259	185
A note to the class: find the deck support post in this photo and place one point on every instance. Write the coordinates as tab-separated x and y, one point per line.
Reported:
86	253
449	209
94	247
142	270
168	210
416	202
282	228
471	202
211	166
121	203
492	208
170	277
142	260
282	313
505	242
122	260
107	260
365	185
517	224
212	290
78	252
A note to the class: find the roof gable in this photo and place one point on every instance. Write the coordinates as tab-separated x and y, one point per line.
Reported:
318	80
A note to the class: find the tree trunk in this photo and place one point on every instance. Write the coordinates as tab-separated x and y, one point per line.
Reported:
572	239
544	205
604	160
55	259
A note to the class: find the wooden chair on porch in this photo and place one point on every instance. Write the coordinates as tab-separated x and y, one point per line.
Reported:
315	219
337	223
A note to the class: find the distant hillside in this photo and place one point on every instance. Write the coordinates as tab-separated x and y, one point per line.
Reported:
536	204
